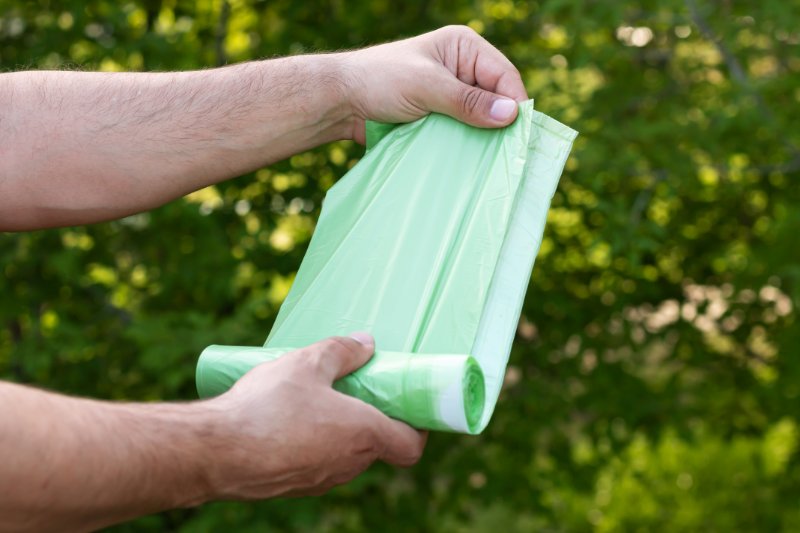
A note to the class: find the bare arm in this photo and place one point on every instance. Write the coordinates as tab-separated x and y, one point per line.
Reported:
78	147
75	464
80	464
81	147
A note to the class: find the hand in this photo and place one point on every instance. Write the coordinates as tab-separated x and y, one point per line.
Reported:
452	70
285	431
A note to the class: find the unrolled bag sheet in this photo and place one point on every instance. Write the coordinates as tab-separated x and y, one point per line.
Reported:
428	243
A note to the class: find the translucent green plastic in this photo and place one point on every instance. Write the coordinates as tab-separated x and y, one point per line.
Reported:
402	385
428	243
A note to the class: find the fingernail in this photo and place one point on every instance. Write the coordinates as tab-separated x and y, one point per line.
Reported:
363	337
502	109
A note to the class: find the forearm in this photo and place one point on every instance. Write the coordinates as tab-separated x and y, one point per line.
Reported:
79	147
74	464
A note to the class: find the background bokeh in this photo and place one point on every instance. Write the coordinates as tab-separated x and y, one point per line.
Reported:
655	379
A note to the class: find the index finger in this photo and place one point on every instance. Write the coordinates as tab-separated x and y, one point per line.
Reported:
495	72
401	445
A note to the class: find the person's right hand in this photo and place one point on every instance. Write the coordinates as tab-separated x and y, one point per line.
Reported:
452	70
285	431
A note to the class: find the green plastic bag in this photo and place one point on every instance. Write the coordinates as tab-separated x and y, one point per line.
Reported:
428	243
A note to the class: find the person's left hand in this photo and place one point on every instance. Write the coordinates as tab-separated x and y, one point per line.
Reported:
452	70
283	430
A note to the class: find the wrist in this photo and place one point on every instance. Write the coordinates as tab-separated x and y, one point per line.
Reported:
351	88
224	457
329	97
352	82
207	431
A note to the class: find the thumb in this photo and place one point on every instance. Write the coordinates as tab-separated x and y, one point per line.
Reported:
336	357
476	106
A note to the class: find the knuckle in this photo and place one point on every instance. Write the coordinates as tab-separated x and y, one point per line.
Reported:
513	73
416	454
328	354
317	352
471	101
367	446
413	457
414	451
346	348
369	440
336	345
459	30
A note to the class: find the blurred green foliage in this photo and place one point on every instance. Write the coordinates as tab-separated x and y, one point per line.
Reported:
655	380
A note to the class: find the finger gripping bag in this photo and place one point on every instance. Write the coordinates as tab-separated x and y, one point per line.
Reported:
428	243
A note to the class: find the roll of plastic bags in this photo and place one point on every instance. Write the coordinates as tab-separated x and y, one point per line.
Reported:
428	243
433	391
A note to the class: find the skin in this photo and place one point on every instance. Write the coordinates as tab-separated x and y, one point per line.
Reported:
81	147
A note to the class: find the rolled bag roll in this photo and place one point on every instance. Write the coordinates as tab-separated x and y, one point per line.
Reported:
439	392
